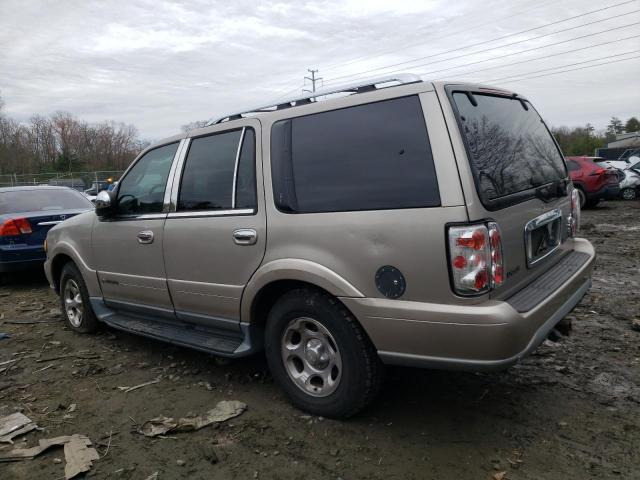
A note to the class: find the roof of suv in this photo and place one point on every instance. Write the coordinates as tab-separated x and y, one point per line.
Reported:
359	87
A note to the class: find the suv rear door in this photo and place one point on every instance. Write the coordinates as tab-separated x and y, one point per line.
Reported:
215	239
515	176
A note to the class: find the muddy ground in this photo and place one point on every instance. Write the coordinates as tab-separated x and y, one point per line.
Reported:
570	411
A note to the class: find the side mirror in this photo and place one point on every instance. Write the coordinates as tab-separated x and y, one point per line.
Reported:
105	203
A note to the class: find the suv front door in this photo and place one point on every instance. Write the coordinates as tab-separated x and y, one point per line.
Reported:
215	240
127	247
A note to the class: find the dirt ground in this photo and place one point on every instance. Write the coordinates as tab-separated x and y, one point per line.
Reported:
570	411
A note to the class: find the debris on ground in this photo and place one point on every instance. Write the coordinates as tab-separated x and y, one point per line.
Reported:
223	411
4	335
14	425
131	389
635	324
29	453
79	456
78	453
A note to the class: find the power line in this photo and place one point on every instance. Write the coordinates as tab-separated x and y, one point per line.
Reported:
521	51
560	66
496	39
573	69
438	34
523	61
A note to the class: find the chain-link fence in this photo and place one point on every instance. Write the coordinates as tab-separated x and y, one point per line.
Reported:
76	180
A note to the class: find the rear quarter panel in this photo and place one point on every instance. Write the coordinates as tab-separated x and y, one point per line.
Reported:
354	245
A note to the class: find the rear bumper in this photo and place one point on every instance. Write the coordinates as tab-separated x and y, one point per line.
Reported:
21	257
608	192
489	336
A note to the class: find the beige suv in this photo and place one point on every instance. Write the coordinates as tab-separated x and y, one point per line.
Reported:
394	221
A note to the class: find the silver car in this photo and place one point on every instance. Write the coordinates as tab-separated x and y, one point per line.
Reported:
393	221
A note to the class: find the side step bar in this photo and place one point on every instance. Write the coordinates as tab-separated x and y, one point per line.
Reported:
190	335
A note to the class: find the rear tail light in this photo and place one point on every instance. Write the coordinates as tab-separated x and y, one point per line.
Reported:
598	171
15	226
573	222
475	258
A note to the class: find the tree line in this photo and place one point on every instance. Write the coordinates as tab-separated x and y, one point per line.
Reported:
585	140
63	143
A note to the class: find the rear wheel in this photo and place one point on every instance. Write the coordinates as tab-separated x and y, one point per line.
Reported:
629	194
320	356
74	299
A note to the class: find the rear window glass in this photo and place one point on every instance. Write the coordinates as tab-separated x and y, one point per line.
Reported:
510	148
42	200
368	157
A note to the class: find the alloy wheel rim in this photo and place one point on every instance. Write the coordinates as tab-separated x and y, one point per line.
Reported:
628	194
73	303
311	357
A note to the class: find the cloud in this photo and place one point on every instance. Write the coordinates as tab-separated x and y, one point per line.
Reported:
160	64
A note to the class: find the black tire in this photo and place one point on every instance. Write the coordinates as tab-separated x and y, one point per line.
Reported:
361	369
87	322
628	194
591	203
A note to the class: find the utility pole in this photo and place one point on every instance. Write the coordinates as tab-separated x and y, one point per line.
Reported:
313	79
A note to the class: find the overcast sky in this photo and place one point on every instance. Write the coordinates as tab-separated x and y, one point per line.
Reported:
161	64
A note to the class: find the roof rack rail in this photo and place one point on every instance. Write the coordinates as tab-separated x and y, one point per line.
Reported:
364	85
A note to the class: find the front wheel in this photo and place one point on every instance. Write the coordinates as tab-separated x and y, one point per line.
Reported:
74	299
629	194
320	356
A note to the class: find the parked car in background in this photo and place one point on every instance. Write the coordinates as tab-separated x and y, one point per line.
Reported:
97	187
423	224
630	184
26	215
593	181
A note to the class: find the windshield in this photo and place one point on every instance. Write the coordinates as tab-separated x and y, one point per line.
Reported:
44	200
510	149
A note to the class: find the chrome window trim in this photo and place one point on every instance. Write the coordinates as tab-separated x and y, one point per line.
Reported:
539	221
144	216
175	184
212	213
166	206
235	169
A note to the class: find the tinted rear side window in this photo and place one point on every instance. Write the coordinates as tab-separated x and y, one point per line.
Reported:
510	148
573	166
211	170
369	157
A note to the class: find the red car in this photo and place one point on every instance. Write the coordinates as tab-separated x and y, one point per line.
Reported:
594	183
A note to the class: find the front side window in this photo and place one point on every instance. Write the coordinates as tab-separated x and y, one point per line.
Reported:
511	150
142	189
219	172
368	157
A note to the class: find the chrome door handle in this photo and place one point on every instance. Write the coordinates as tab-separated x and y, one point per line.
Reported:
245	236
145	237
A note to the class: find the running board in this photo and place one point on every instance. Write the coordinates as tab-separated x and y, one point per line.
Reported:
190	335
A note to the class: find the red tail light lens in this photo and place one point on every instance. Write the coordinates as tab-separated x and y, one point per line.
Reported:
598	171
475	253
15	226
469	254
